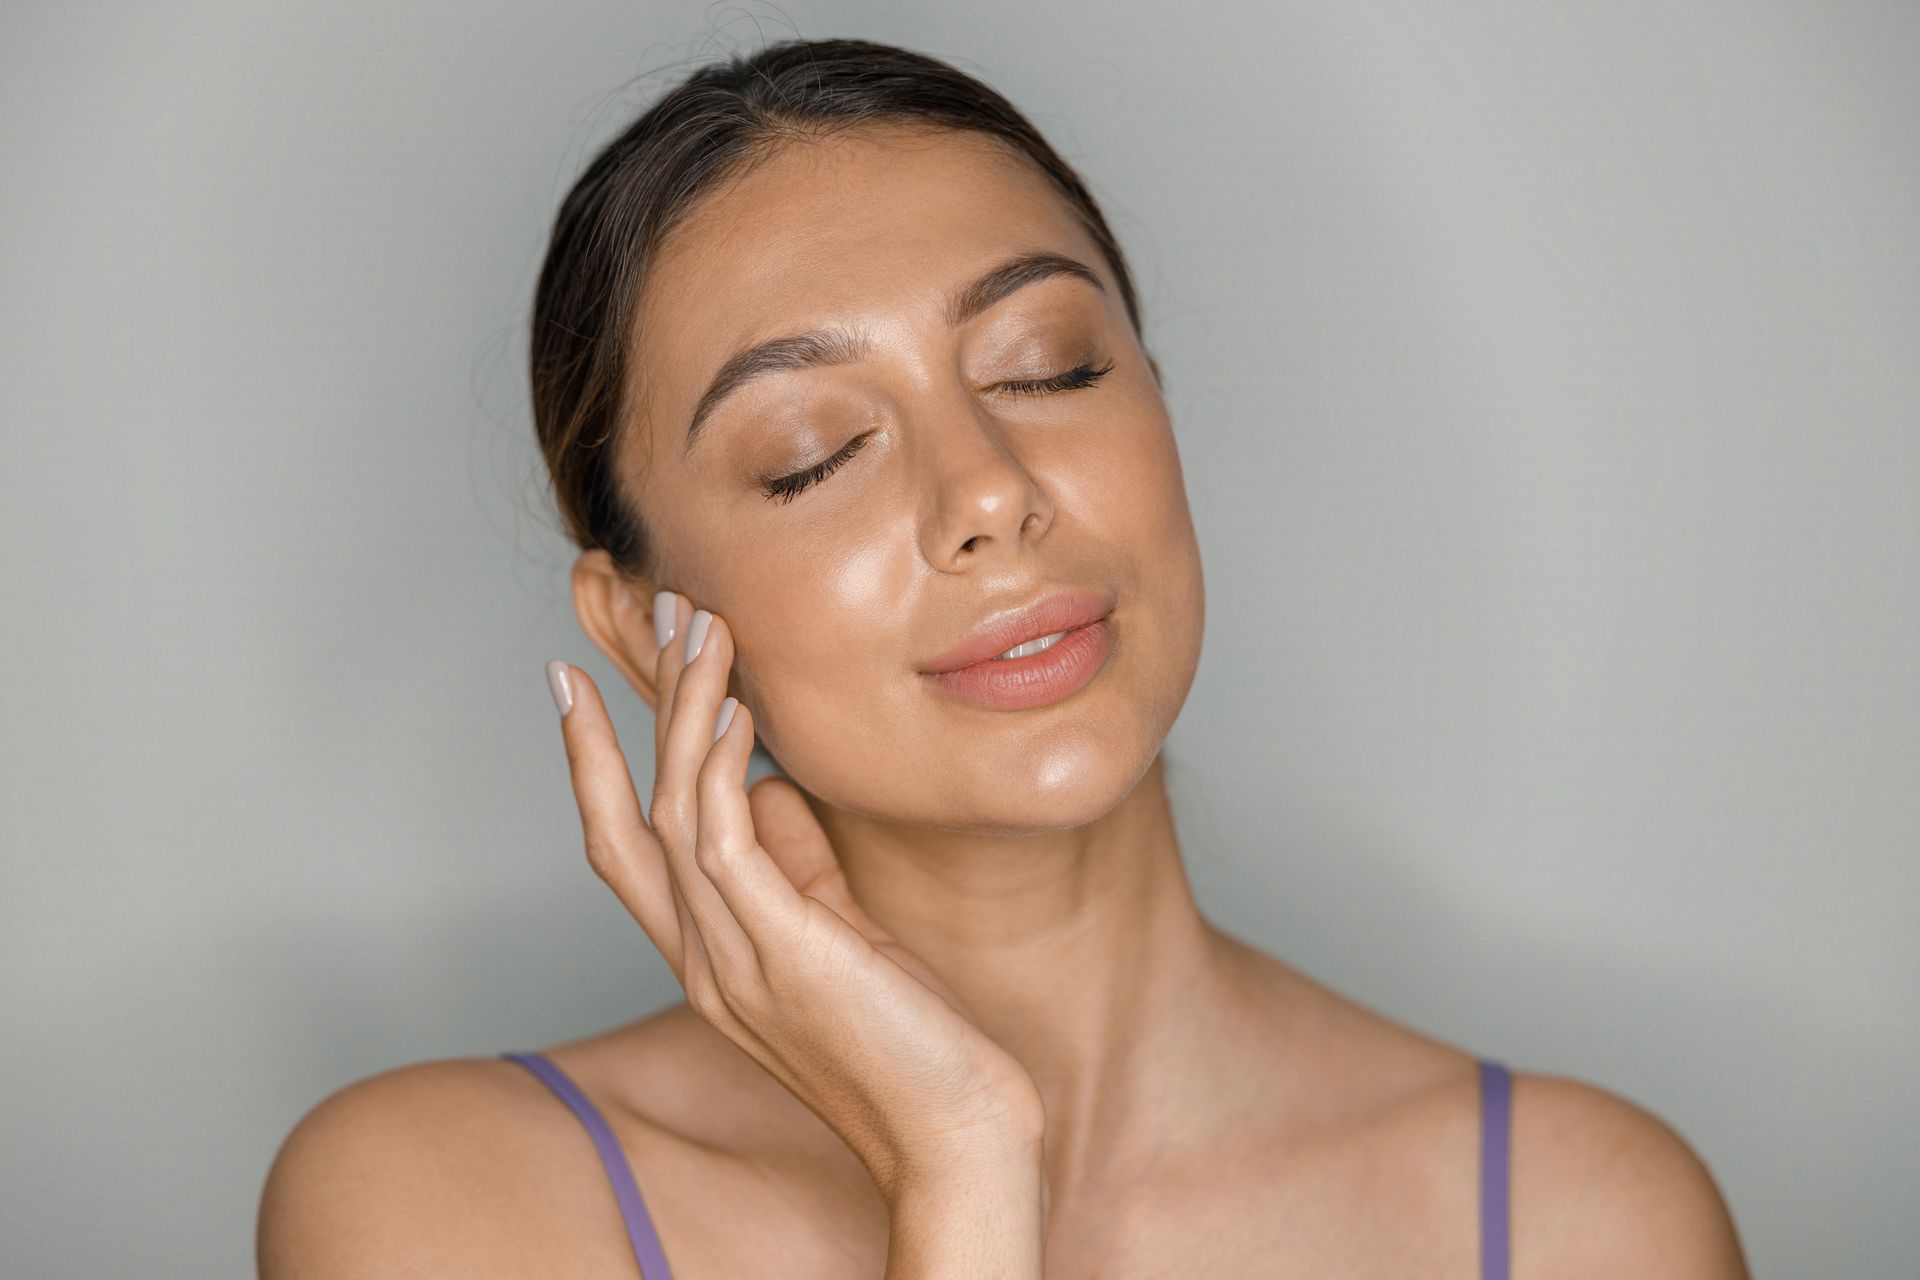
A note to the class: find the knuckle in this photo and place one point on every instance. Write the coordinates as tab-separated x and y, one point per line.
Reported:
602	857
738	994
712	857
776	980
726	992
664	814
703	994
746	999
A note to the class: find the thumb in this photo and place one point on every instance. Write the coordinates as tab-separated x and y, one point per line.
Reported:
788	831
786	828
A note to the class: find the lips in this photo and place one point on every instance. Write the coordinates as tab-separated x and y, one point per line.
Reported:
998	632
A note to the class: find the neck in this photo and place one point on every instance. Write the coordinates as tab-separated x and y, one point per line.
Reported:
1081	952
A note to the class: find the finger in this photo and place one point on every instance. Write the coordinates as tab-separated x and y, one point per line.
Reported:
669	613
790	833
793	837
698	690
694	960
620	848
728	851
674	611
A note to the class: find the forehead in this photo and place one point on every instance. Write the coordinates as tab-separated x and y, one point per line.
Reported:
872	227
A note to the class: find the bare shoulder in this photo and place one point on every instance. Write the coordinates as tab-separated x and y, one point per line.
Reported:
1600	1186
462	1166
1604	1187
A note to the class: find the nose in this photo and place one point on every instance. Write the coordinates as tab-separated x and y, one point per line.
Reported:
986	504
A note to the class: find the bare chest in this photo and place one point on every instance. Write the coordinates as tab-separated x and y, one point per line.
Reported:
1325	1218
1261	1223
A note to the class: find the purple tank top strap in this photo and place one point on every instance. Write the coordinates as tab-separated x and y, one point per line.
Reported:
646	1244
1496	1108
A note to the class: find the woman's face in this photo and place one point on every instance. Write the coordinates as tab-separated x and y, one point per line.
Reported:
962	499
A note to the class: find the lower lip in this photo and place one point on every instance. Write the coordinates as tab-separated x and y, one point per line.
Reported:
1036	680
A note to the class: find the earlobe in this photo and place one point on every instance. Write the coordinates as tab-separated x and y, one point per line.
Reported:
614	612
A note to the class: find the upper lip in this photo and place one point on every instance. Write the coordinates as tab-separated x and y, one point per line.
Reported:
1000	631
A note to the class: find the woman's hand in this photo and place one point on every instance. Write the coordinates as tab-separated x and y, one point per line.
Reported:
747	901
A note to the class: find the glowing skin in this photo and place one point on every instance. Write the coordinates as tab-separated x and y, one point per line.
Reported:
1207	1109
836	596
1018	852
1028	858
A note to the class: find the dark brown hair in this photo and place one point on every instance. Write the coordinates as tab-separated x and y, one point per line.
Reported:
713	125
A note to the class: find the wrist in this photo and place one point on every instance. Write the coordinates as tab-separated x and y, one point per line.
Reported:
974	1217
982	1168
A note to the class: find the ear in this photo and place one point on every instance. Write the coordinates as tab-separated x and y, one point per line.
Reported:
616	612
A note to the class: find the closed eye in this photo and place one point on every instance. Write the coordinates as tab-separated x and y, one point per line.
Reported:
1071	380
786	488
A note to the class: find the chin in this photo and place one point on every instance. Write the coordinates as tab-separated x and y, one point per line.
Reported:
1056	789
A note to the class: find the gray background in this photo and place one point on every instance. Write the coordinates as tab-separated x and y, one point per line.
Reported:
1546	382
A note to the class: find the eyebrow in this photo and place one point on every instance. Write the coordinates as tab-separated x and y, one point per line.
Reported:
817	348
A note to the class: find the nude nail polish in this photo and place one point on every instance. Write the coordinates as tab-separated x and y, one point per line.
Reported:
560	687
725	718
697	632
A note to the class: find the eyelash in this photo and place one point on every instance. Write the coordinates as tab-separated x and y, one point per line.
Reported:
787	488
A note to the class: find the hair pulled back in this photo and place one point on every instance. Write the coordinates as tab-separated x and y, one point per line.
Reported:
713	125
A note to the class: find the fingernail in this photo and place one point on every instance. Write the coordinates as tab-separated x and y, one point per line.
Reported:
560	686
725	718
665	613
697	632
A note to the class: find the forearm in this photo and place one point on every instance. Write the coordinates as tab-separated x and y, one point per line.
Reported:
971	1221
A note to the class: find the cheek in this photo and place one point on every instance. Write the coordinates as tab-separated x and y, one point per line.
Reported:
1132	489
829	674
848	727
857	593
1140	511
830	655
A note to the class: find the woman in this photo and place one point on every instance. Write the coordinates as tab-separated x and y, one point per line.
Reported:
839	374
